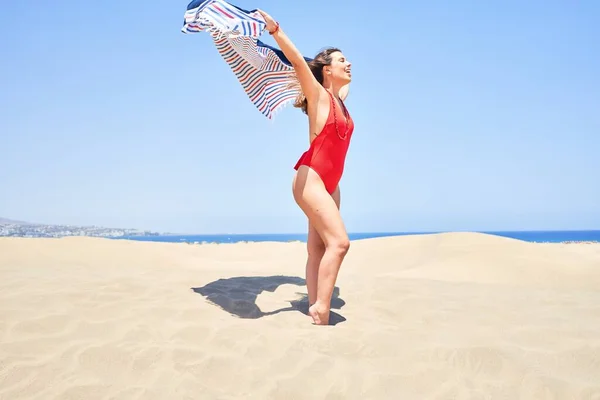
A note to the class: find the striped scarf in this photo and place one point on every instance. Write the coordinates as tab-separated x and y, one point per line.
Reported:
264	72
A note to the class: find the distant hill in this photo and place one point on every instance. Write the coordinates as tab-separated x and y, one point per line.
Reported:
12	221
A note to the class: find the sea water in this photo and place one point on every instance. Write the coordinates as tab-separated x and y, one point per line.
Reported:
529	236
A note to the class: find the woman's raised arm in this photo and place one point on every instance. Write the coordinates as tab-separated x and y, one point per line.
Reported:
310	86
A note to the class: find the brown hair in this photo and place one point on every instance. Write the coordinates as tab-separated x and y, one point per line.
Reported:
316	66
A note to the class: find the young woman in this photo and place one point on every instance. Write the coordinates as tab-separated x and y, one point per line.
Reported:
324	86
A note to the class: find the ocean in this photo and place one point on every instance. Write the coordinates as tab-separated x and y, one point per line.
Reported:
529	236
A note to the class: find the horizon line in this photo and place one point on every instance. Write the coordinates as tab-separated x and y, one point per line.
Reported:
381	232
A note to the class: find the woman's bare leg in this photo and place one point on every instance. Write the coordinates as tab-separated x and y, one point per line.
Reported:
316	249
324	215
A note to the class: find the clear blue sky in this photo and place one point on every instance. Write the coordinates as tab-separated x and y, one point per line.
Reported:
469	116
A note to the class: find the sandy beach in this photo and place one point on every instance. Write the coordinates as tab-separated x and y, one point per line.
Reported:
440	316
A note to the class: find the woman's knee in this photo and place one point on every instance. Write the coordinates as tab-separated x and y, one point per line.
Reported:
340	245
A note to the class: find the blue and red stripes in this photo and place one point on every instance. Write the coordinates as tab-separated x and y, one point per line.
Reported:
263	71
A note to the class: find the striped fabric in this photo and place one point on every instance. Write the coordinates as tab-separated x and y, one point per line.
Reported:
264	72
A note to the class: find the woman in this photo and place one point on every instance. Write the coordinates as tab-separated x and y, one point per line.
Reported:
324	86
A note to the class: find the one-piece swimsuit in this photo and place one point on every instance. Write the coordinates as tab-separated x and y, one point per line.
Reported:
327	152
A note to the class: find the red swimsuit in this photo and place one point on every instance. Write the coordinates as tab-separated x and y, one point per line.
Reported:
327	152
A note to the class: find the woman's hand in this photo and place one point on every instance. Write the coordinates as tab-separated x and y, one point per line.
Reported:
271	24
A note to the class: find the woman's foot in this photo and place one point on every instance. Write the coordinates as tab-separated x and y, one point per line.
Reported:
319	314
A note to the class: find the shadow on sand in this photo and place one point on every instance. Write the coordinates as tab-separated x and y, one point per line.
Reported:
238	296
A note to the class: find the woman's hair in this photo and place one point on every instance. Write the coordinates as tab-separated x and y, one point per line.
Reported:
316	66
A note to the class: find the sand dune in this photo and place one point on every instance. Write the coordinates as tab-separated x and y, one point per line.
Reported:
442	316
